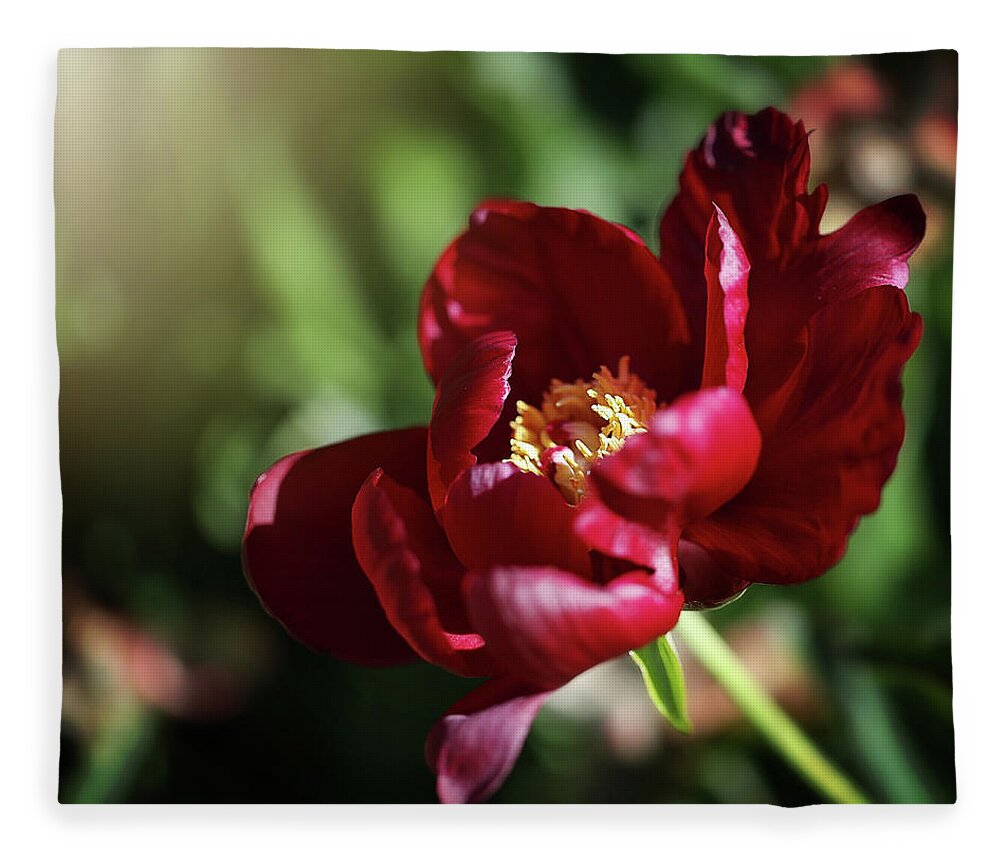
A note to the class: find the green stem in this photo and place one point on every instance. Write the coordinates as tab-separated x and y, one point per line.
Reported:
717	657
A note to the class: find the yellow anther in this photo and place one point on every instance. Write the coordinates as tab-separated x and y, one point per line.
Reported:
606	409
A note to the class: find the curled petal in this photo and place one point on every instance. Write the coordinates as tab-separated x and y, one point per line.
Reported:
727	274
297	550
618	539
546	625
470	398
870	250
696	455
681	566
400	546
473	747
826	459
705	582
496	515
577	291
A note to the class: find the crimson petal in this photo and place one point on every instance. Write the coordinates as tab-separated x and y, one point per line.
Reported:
697	454
496	514
297	550
623	543
727	273
577	291
473	747
825	461
756	169
546	625
401	547
869	250
470	398
705	582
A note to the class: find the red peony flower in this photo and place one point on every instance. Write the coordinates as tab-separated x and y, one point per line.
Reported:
613	437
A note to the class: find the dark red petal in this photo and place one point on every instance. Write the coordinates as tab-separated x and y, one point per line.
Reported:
756	169
727	274
870	250
622	544
297	550
470	398
401	547
824	463
577	291
705	582
546	625
473	747
496	514
697	454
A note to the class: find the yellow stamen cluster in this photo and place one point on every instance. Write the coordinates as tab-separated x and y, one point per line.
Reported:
584	421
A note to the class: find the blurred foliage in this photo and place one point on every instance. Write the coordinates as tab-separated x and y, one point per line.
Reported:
242	237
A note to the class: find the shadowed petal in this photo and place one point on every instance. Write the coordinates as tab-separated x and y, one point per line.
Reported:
628	543
473	747
297	550
705	582
470	398
401	547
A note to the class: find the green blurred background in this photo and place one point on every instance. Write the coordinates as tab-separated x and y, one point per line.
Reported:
242	237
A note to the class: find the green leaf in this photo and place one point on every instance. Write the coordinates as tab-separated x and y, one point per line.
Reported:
664	677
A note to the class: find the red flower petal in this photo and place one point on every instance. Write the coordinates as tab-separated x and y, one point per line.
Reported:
546	625
577	291
622	544
870	250
470	398
727	273
497	514
400	546
297	550
704	581
697	454
473	747
824	463
756	169
681	566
